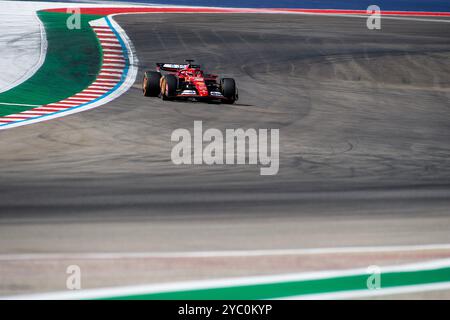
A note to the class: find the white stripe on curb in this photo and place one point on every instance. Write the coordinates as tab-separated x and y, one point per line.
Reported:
36	112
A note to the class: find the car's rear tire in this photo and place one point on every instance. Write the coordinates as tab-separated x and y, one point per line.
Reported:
229	90
150	84
169	87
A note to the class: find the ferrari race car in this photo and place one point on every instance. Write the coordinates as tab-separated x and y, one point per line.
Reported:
187	81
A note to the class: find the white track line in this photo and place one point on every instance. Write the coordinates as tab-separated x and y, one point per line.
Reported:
20	104
218	254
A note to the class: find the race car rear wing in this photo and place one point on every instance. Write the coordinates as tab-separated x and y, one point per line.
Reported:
173	67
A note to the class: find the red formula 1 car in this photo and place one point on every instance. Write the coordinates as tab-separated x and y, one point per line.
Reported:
187	81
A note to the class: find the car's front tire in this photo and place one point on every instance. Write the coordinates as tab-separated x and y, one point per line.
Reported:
229	90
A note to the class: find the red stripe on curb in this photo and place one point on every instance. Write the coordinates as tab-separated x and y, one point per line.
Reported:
16	116
104	82
106	41
104	33
44	109
364	12
63	102
34	113
112	48
104	37
66	104
87	97
60	105
117	78
94	91
56	106
50	106
108	11
78	100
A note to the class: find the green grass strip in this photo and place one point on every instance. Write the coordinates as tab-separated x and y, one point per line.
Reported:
71	64
295	288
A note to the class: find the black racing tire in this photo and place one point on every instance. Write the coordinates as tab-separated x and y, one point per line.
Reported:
229	91
171	84
150	84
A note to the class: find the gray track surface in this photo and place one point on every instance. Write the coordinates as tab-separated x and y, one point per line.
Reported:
364	132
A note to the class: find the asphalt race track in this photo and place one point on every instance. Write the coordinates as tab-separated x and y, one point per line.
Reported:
364	149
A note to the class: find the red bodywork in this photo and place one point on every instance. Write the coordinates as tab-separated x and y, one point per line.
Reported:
191	75
196	77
